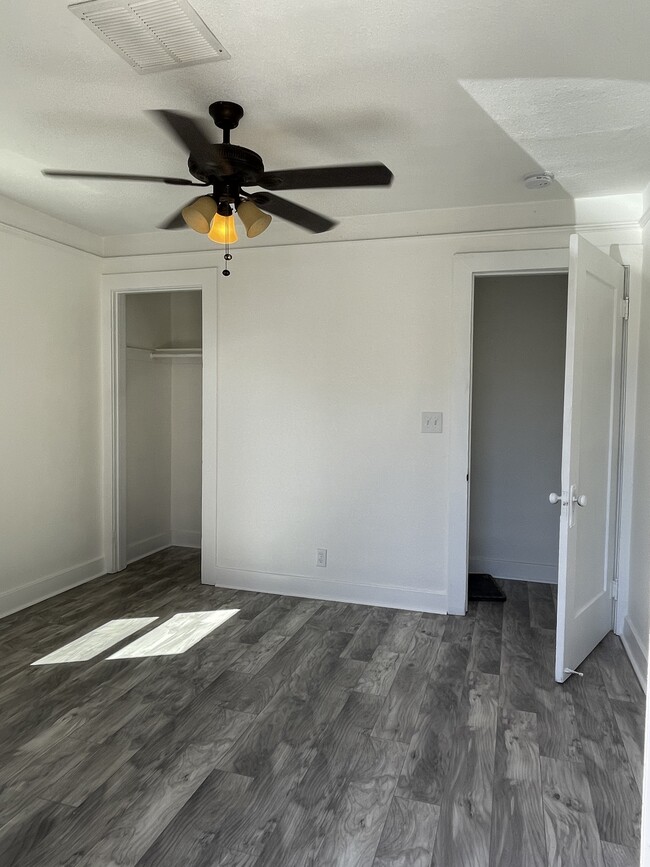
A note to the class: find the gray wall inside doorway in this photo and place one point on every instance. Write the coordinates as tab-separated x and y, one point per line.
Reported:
517	407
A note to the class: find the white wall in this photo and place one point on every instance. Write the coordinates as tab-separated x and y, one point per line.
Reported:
517	404
327	355
636	625
635	631
358	374
50	436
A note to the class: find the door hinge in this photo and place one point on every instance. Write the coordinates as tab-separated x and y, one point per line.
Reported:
625	309
614	588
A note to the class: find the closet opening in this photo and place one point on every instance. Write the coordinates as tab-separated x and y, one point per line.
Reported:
160	380
518	361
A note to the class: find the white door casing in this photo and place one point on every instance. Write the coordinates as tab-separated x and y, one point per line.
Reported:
588	500
114	288
467	266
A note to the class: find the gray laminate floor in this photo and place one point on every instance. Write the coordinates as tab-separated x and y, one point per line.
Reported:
304	733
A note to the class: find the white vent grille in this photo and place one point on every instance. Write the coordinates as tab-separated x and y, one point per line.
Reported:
152	35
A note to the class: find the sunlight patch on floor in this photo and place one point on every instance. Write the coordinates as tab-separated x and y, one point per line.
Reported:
175	635
97	641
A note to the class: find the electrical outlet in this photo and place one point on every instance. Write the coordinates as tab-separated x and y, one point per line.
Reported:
321	556
431	422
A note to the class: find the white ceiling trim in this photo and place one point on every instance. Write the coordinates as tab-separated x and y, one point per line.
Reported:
623	212
15	217
611	212
645	216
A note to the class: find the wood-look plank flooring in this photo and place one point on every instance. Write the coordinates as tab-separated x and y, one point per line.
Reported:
303	733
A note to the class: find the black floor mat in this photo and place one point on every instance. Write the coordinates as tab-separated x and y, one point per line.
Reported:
483	588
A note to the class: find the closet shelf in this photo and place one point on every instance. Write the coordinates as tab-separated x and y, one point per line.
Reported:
169	351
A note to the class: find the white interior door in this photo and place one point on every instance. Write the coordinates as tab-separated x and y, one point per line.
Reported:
589	454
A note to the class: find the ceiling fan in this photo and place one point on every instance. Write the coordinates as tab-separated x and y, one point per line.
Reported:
228	168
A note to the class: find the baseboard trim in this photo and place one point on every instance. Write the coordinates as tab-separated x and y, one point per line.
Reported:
636	650
384	596
186	538
528	580
541	573
44	588
145	547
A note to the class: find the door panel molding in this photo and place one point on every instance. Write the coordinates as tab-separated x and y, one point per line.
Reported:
590	453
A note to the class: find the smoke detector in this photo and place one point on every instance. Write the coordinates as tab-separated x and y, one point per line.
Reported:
152	35
538	180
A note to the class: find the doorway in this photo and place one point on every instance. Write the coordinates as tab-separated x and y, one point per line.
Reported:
161	436
115	289
518	359
468	267
590	548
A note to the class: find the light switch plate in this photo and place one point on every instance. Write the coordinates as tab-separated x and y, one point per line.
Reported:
431	422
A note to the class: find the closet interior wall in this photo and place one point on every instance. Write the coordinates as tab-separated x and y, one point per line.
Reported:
517	409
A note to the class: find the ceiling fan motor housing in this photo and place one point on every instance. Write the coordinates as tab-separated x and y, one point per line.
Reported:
246	166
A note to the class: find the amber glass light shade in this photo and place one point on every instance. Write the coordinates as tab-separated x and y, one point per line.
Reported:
199	214
222	230
254	220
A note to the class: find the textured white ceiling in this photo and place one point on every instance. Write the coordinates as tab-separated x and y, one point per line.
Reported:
460	98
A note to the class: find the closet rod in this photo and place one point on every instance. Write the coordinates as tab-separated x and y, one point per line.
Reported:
175	353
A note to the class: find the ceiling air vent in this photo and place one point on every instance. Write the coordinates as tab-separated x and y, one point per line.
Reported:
152	35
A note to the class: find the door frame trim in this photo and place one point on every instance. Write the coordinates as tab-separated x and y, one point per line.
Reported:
468	266
617	602
115	287
553	260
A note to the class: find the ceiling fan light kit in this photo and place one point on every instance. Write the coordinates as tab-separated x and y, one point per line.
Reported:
255	221
222	228
199	214
228	168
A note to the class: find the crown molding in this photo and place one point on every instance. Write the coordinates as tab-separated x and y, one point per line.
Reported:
644	219
16	218
609	212
624	213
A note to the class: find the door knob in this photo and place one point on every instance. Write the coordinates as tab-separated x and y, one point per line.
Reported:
554	498
581	500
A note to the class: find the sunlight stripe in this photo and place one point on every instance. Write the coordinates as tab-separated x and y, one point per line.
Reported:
176	634
93	643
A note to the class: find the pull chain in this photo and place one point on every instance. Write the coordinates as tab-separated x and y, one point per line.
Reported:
227	257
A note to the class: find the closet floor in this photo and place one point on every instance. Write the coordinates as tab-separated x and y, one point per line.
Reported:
301	732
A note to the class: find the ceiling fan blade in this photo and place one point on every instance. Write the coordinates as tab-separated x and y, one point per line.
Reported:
176	220
362	175
286	210
111	176
190	135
